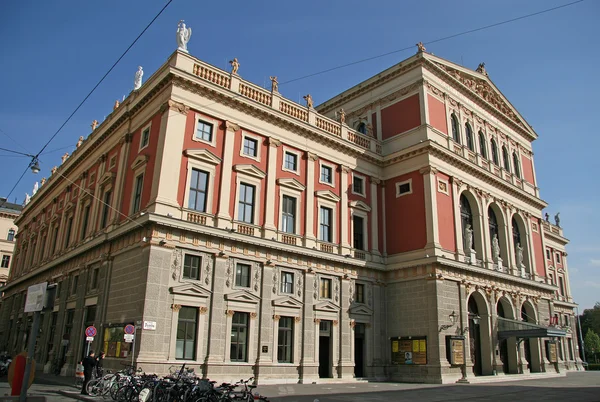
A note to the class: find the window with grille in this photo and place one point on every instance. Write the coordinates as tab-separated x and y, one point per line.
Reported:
291	161
360	293
358	232
325	225
326	174
137	194
250	147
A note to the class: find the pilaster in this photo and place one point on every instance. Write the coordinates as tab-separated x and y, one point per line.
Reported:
270	230
223	216
375	218
431	210
310	239
345	170
458	236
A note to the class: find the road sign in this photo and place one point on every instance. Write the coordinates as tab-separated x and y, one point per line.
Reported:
35	297
90	331
129	338
150	325
129	329
89	338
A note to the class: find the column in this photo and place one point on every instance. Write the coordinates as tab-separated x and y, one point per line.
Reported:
346	344
223	217
485	231
167	168
431	210
529	245
217	335
310	239
270	230
456	184
566	277
266	335
374	218
510	247
496	361
379	133
309	338
119	182
383	220
345	170
424	104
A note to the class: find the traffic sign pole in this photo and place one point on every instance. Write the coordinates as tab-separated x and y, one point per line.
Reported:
35	329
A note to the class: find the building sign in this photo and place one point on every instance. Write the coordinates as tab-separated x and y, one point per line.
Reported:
552	352
35	297
455	347
150	325
409	350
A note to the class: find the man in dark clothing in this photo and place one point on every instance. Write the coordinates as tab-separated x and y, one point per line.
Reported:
89	362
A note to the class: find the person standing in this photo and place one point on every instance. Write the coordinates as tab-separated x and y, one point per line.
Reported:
99	362
89	362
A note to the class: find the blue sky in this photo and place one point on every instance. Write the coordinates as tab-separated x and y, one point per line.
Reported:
53	53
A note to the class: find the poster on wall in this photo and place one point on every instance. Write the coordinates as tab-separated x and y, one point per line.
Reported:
409	350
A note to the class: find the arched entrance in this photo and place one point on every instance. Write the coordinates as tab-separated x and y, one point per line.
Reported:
531	346
507	347
479	341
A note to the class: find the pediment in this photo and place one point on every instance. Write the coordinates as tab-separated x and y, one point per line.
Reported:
202	155
242	296
250	170
69	206
108	176
479	83
291	183
139	161
190	289
288	301
326	306
359	205
361	309
327	195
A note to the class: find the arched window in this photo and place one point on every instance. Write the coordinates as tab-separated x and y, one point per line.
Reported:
482	145
516	165
455	129
493	226
469	137
495	153
362	127
516	233
466	217
505	158
11	235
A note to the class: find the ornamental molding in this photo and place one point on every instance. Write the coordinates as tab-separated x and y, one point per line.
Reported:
250	170
243	296
175	106
190	289
288	302
291	183
327	195
326	306
359	205
202	155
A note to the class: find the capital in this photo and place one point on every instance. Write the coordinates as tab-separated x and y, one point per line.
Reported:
273	142
312	157
175	106
231	126
428	170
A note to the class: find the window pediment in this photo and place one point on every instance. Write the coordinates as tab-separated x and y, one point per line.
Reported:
69	206
361	309
242	296
291	183
288	302
359	205
327	195
107	177
139	161
327	306
250	170
202	155
190	289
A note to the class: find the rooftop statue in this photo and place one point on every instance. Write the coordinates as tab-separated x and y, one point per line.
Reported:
183	36
35	188
80	141
420	47
557	219
342	116
94	124
27	198
137	82
117	104
481	69
64	157
547	217
235	65
274	84
309	101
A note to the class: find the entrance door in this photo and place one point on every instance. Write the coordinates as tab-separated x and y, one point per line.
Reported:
474	336
359	352
325	349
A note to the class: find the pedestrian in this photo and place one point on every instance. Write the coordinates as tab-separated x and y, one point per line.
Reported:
89	362
99	362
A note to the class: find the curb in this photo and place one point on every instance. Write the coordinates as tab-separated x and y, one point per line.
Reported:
77	395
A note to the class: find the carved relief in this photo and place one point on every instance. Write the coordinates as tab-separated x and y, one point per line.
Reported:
203	310
275	280
335	323
369	294
351	291
207	270
229	273
176	307
276	317
336	290
176	263
256	276
315	288
253	316
299	284
229	313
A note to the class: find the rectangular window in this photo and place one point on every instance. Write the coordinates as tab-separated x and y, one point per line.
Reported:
548	254
285	340
94	278
242	275
239	337
204	131
198	190
68	234
55	240
5	261
43	246
358	185
287	282
557	258
561	285
325	288
325	229
360	293
403	188
69	322
246	203
145	138
137	194
288	214
185	346
105	209
191	267
114	345
291	161
250	147
358	232
85	218
326	174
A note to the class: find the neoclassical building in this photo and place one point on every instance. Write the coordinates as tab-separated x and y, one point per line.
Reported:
8	230
393	232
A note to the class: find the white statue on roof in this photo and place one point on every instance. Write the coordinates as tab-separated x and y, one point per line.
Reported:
137	83
35	188
27	198
183	36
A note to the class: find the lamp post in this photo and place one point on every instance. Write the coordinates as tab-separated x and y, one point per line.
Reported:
475	318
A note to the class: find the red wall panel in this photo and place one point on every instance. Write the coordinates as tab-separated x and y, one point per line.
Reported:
527	167
401	116
437	114
445	212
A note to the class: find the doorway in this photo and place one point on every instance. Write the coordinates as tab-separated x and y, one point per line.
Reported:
474	336
503	342
325	349
359	350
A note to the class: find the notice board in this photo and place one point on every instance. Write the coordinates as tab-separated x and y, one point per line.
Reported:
409	350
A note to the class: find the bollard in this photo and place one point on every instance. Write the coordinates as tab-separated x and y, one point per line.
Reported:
17	380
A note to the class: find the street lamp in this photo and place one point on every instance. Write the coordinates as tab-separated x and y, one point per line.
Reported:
476	319
453	318
34	165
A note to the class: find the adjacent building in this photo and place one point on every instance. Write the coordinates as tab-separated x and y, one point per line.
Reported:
393	232
8	230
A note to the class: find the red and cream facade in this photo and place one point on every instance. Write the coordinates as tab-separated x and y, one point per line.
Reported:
250	235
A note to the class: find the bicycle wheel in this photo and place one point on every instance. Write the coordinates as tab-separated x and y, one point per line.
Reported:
92	387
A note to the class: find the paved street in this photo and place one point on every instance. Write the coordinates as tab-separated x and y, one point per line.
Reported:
579	387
